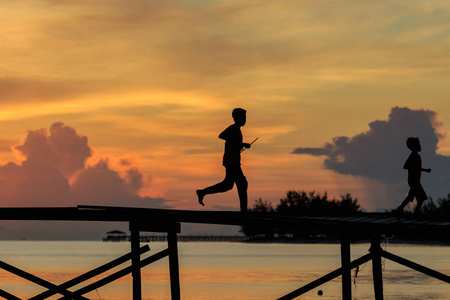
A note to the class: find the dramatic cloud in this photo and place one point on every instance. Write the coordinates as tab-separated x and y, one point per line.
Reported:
378	154
54	173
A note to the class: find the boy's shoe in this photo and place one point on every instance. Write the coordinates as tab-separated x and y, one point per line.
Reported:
200	196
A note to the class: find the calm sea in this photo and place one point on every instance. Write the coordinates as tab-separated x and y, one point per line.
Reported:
223	270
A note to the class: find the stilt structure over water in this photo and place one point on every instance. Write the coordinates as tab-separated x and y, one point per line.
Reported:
350	229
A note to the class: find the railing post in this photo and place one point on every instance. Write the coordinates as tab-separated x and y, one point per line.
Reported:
346	271
173	265
377	270
135	261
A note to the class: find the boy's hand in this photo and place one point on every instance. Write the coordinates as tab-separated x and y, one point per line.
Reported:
246	145
427	170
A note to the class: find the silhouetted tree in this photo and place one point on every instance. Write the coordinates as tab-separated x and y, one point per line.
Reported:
348	205
429	208
312	203
444	206
260	206
301	203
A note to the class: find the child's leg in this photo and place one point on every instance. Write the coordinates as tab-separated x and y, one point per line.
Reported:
225	185
405	202
242	186
418	207
421	196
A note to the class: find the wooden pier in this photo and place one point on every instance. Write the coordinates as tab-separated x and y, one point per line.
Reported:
363	226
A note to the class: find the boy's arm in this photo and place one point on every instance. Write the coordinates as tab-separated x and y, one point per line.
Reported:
426	170
225	134
407	165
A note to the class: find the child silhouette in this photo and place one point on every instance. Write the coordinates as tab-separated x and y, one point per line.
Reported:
414	166
231	161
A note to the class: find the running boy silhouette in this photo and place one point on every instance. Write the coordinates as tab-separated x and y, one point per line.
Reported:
231	161
414	166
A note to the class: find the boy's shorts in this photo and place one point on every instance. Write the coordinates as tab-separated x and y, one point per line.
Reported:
418	192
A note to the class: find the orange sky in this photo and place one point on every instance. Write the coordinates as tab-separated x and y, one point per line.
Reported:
154	82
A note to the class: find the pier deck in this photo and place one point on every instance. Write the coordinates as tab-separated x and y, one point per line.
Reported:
349	228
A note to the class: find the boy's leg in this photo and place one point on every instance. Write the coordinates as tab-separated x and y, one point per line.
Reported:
405	202
421	196
242	186
418	207
225	185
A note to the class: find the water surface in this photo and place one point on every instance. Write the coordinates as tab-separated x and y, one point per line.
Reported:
221	270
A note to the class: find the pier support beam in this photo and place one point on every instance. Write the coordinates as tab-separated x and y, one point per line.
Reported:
346	270
135	262
172	229
173	265
377	271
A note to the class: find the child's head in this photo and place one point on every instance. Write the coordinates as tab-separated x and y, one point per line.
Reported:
239	116
413	144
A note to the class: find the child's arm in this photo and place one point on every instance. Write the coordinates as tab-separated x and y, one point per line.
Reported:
426	170
407	164
225	135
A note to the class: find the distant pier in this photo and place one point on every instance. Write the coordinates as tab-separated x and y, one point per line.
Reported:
180	238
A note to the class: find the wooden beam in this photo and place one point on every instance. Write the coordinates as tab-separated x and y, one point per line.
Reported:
88	275
326	278
37	280
377	271
346	271
8	296
135	260
173	265
119	274
415	266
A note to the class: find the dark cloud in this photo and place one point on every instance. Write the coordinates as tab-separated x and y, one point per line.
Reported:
379	153
311	151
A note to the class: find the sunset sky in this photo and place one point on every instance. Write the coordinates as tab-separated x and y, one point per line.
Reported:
121	102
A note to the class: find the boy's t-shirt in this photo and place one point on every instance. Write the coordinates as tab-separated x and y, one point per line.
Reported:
414	166
233	144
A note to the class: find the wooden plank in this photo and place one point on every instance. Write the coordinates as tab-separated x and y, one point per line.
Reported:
362	224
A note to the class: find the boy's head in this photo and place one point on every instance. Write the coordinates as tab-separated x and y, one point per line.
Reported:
413	144
239	116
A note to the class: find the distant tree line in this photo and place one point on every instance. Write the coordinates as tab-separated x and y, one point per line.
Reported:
300	203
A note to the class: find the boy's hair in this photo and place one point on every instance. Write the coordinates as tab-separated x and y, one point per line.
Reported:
411	142
238	112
